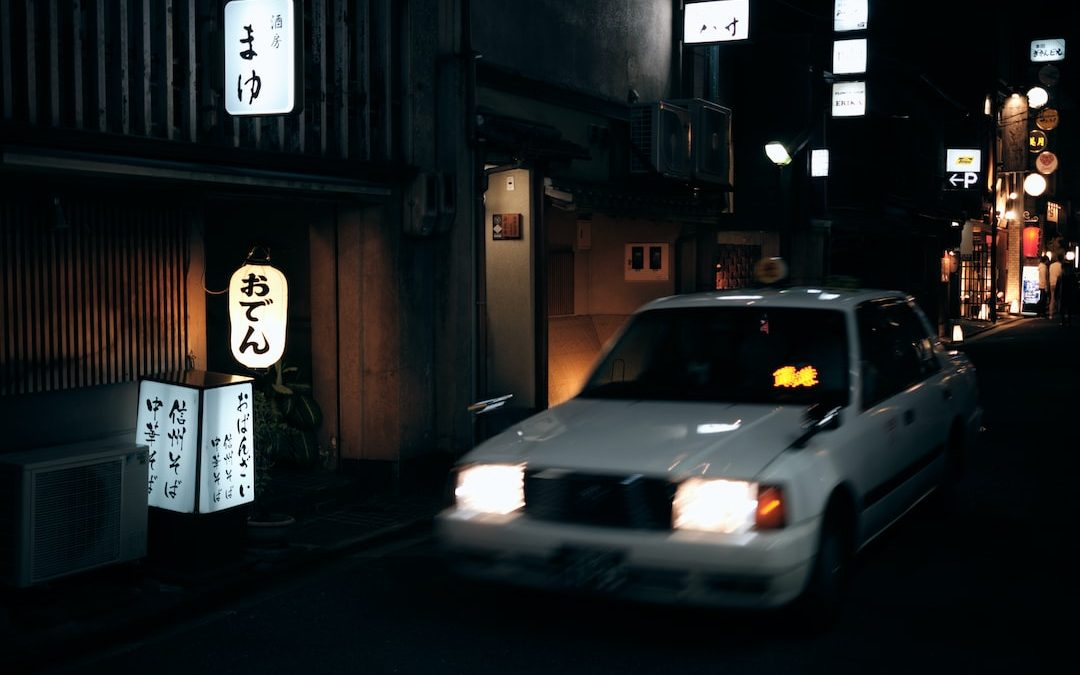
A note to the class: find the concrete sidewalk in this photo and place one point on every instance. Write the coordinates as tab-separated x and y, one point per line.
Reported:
71	617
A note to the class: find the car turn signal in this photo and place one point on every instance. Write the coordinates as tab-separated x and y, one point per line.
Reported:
770	508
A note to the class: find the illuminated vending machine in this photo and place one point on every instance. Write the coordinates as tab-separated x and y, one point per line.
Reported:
1030	290
200	432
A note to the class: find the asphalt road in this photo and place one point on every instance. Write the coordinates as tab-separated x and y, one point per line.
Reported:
988	587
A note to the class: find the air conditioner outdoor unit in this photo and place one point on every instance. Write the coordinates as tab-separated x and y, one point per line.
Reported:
660	139
710	141
71	508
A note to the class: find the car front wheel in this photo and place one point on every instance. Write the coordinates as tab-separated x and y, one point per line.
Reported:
829	576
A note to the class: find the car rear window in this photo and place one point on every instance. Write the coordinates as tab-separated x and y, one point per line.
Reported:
728	354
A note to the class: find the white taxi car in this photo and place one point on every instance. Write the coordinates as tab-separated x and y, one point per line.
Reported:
730	449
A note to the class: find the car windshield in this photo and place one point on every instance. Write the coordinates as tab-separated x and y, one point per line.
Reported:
728	354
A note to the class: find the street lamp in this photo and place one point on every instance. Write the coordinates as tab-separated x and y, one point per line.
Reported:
778	153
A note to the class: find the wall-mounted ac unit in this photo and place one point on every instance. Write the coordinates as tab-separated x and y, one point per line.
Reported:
710	141
660	139
71	508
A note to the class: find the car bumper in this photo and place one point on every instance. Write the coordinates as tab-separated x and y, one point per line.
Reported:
752	570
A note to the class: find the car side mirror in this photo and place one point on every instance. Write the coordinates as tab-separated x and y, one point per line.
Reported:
817	417
482	407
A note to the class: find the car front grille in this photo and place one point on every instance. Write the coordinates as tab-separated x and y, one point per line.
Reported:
633	502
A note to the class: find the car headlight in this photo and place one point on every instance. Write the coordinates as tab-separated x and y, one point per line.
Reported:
491	488
727	506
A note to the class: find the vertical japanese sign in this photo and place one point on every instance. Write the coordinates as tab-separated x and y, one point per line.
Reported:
261	50
228	453
850	15
258	312
168	423
716	21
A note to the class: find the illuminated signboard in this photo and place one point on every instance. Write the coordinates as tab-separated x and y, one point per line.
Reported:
719	21
1048	50
963	159
848	99
258	314
850	15
790	377
199	428
261	50
849	56
819	163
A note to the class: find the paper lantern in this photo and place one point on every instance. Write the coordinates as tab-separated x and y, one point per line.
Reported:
258	314
1032	235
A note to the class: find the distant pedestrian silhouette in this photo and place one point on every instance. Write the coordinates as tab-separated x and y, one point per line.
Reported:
1055	297
1068	292
1044	286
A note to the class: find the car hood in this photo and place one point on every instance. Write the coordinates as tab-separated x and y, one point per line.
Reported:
655	438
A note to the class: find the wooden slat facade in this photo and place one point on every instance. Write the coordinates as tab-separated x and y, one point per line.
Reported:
153	69
90	293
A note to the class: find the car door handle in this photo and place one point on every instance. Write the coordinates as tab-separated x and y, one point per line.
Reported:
909	417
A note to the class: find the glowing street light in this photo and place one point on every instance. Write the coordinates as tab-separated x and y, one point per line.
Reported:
778	153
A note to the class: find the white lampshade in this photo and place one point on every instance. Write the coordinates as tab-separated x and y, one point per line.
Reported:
957	333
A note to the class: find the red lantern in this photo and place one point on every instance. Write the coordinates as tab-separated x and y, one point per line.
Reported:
1032	237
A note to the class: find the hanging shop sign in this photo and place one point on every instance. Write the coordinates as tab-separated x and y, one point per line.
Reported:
1046	163
819	163
717	21
258	313
849	56
962	168
1053	211
850	15
1047	119
200	431
1036	140
1048	50
262	46
848	99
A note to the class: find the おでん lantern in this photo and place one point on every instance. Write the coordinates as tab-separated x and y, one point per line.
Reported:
258	314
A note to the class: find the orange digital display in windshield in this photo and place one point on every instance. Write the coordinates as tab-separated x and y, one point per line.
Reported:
789	376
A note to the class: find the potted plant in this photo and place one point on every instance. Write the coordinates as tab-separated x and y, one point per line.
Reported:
286	419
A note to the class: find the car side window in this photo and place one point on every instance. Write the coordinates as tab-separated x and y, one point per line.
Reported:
913	338
877	361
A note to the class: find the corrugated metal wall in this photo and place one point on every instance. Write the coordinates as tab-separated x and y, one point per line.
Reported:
90	293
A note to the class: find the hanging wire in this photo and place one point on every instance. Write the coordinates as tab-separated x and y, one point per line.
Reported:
252	257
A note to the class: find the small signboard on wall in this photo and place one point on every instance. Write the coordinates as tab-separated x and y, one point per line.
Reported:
506	226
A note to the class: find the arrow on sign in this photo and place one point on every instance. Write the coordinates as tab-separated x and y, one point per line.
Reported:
968	178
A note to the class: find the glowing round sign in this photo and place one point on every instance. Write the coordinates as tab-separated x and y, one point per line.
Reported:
1046	163
1047	119
1037	97
1034	184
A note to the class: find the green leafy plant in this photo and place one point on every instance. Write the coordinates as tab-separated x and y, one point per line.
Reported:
287	418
